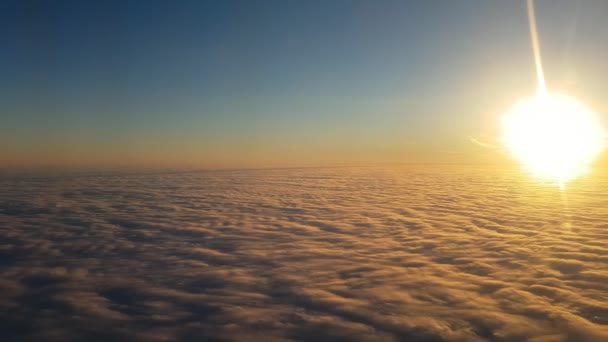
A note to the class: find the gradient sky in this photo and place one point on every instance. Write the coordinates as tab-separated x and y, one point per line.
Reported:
279	83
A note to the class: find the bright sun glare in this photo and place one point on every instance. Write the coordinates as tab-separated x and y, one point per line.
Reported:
554	136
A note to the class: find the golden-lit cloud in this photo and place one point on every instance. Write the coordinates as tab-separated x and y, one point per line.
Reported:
364	254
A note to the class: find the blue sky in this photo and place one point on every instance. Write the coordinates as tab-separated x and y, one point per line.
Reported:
268	83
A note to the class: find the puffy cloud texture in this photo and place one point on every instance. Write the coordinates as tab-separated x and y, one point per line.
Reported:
312	254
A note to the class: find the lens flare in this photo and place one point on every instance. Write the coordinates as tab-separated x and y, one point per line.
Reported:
554	136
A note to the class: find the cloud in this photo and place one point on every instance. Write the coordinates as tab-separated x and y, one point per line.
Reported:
483	144
314	254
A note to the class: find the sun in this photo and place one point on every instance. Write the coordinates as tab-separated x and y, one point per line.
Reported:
554	136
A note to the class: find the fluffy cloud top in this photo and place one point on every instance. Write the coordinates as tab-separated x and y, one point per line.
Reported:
317	254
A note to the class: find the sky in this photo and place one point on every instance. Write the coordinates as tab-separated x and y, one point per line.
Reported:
218	84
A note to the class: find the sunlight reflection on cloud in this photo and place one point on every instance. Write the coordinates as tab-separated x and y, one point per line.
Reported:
352	254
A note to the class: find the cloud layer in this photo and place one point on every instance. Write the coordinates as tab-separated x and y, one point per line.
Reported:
317	254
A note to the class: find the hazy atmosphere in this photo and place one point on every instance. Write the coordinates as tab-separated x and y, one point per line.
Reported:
304	170
274	83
